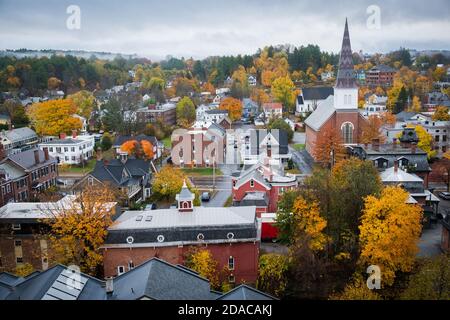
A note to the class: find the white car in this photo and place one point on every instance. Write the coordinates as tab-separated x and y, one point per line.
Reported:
259	122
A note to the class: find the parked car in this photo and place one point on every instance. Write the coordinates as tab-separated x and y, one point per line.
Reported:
150	206
444	195
173	206
259	122
206	196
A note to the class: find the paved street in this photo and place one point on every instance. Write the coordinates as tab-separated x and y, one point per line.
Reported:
302	160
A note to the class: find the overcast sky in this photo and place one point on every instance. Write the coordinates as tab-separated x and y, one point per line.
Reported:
201	28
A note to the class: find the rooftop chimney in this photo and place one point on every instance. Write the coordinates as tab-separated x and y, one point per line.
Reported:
413	148
376	144
46	154
109	285
62	135
36	156
99	154
396	166
74	134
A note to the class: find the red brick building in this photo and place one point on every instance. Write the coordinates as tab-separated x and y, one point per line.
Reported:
25	174
232	235
339	111
261	185
380	76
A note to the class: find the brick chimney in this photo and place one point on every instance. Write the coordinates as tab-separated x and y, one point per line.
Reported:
105	162
36	156
396	166
2	152
99	154
413	148
62	135
109	285
74	134
46	154
376	144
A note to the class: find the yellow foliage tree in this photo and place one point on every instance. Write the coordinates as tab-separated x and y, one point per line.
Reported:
441	114
259	96
356	290
389	232
202	261
53	117
272	273
416	105
79	229
84	102
23	270
425	141
309	223
283	90
233	106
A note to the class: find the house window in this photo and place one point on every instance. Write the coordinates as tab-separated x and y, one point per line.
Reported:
8	188
16	226
90	181
19	259
72	149
231	263
347	132
252	183
17	243
130	265
66	149
120	270
50	149
231	279
436	138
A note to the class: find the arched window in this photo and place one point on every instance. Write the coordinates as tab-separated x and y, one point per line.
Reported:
347	132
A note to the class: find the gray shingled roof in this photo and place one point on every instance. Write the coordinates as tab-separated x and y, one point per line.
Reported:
19	134
159	280
319	116
25	159
245	292
317	93
112	171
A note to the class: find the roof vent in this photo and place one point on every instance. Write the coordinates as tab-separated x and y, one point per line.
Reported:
148	218
139	218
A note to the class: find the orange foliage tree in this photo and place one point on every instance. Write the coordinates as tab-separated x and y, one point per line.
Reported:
329	140
144	149
233	106
372	130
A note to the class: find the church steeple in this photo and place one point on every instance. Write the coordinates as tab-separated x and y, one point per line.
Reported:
346	88
346	74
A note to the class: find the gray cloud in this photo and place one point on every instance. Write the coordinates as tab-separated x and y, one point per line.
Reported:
206	27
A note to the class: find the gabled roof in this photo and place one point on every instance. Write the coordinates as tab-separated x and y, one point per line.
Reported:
272	106
121	174
19	134
25	159
392	175
245	292
157	279
317	93
56	284
319	116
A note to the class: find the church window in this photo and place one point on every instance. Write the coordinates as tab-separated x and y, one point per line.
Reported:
347	132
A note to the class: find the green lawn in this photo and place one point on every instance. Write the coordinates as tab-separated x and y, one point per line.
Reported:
167	142
89	166
201	171
299	146
293	171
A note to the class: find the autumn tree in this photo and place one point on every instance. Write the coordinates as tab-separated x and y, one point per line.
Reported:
168	183
280	124
389	233
425	141
54	116
272	273
372	130
441	114
53	83
84	102
309	224
431	282
144	149
185	112
208	87
259	96
356	290
416	105
283	90
202	261
233	106
79	228
329	147
23	270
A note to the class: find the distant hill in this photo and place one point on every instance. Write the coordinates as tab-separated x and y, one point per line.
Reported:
22	53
